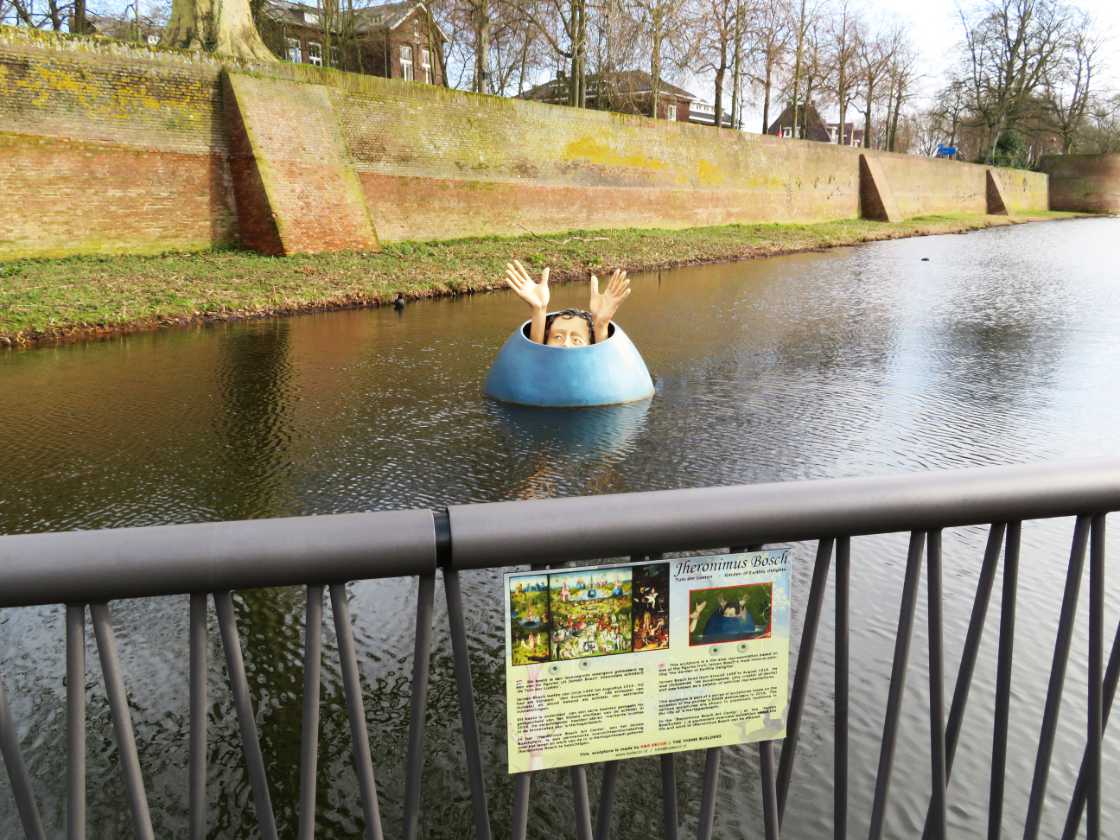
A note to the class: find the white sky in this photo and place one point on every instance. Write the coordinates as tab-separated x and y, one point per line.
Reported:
935	30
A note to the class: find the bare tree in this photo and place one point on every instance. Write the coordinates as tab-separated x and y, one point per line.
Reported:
949	111
900	81
1069	88
769	39
1010	46
1101	134
718	29
800	22
843	56
666	34
873	60
815	68
564	27
53	15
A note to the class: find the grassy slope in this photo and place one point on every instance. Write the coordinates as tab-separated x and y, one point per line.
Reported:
82	297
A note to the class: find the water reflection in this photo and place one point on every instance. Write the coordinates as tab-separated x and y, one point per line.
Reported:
1001	348
253	464
556	442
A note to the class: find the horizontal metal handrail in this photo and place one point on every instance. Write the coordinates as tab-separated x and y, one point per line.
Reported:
587	527
97	566
89	566
88	569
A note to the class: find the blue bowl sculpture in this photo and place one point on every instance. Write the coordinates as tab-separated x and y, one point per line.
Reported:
607	373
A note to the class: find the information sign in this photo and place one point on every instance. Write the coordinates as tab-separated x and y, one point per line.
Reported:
611	662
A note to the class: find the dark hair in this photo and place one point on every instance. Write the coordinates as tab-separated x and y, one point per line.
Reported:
570	313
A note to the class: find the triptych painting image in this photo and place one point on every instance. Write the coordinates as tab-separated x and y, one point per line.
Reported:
573	615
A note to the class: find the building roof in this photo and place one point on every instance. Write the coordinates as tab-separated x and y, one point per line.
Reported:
368	19
813	127
622	83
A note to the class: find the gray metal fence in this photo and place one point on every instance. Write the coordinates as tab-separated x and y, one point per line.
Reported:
90	569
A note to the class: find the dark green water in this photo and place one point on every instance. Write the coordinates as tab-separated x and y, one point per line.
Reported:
1001	348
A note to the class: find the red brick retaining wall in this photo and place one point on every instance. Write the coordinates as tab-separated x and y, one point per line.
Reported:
113	148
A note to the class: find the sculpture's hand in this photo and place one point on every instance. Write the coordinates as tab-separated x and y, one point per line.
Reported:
604	305
533	293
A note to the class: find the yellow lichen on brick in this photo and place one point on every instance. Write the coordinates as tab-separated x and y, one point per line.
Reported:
593	151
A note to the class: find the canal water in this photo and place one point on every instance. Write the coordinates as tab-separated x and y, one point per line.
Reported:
990	348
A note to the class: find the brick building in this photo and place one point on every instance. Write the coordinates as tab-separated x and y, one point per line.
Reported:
393	40
626	91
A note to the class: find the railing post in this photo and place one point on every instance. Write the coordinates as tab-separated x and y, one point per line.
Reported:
76	721
1096	666
309	725
122	721
465	685
198	713
898	681
17	772
1003	679
936	683
246	720
1057	678
421	671
840	696
804	665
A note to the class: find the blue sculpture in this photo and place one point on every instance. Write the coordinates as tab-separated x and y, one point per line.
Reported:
725	628
606	373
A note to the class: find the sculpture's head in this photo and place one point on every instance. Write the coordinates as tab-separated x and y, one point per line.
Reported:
569	328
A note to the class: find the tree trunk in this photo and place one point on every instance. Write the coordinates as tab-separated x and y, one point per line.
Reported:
721	71
867	115
736	66
481	46
79	25
655	68
894	118
797	64
766	95
224	27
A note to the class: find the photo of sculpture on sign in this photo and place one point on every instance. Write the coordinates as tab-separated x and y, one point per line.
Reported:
612	662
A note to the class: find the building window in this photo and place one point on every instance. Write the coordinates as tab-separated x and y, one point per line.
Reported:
426	64
406	62
315	53
311	17
671	112
295	51
787	131
334	57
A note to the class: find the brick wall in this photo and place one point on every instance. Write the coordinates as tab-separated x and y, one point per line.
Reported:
924	186
1084	183
116	148
108	148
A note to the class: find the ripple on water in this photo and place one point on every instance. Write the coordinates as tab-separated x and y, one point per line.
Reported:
860	361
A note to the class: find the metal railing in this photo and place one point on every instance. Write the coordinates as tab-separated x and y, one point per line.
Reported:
81	569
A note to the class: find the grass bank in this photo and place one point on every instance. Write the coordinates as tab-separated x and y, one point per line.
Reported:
43	301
